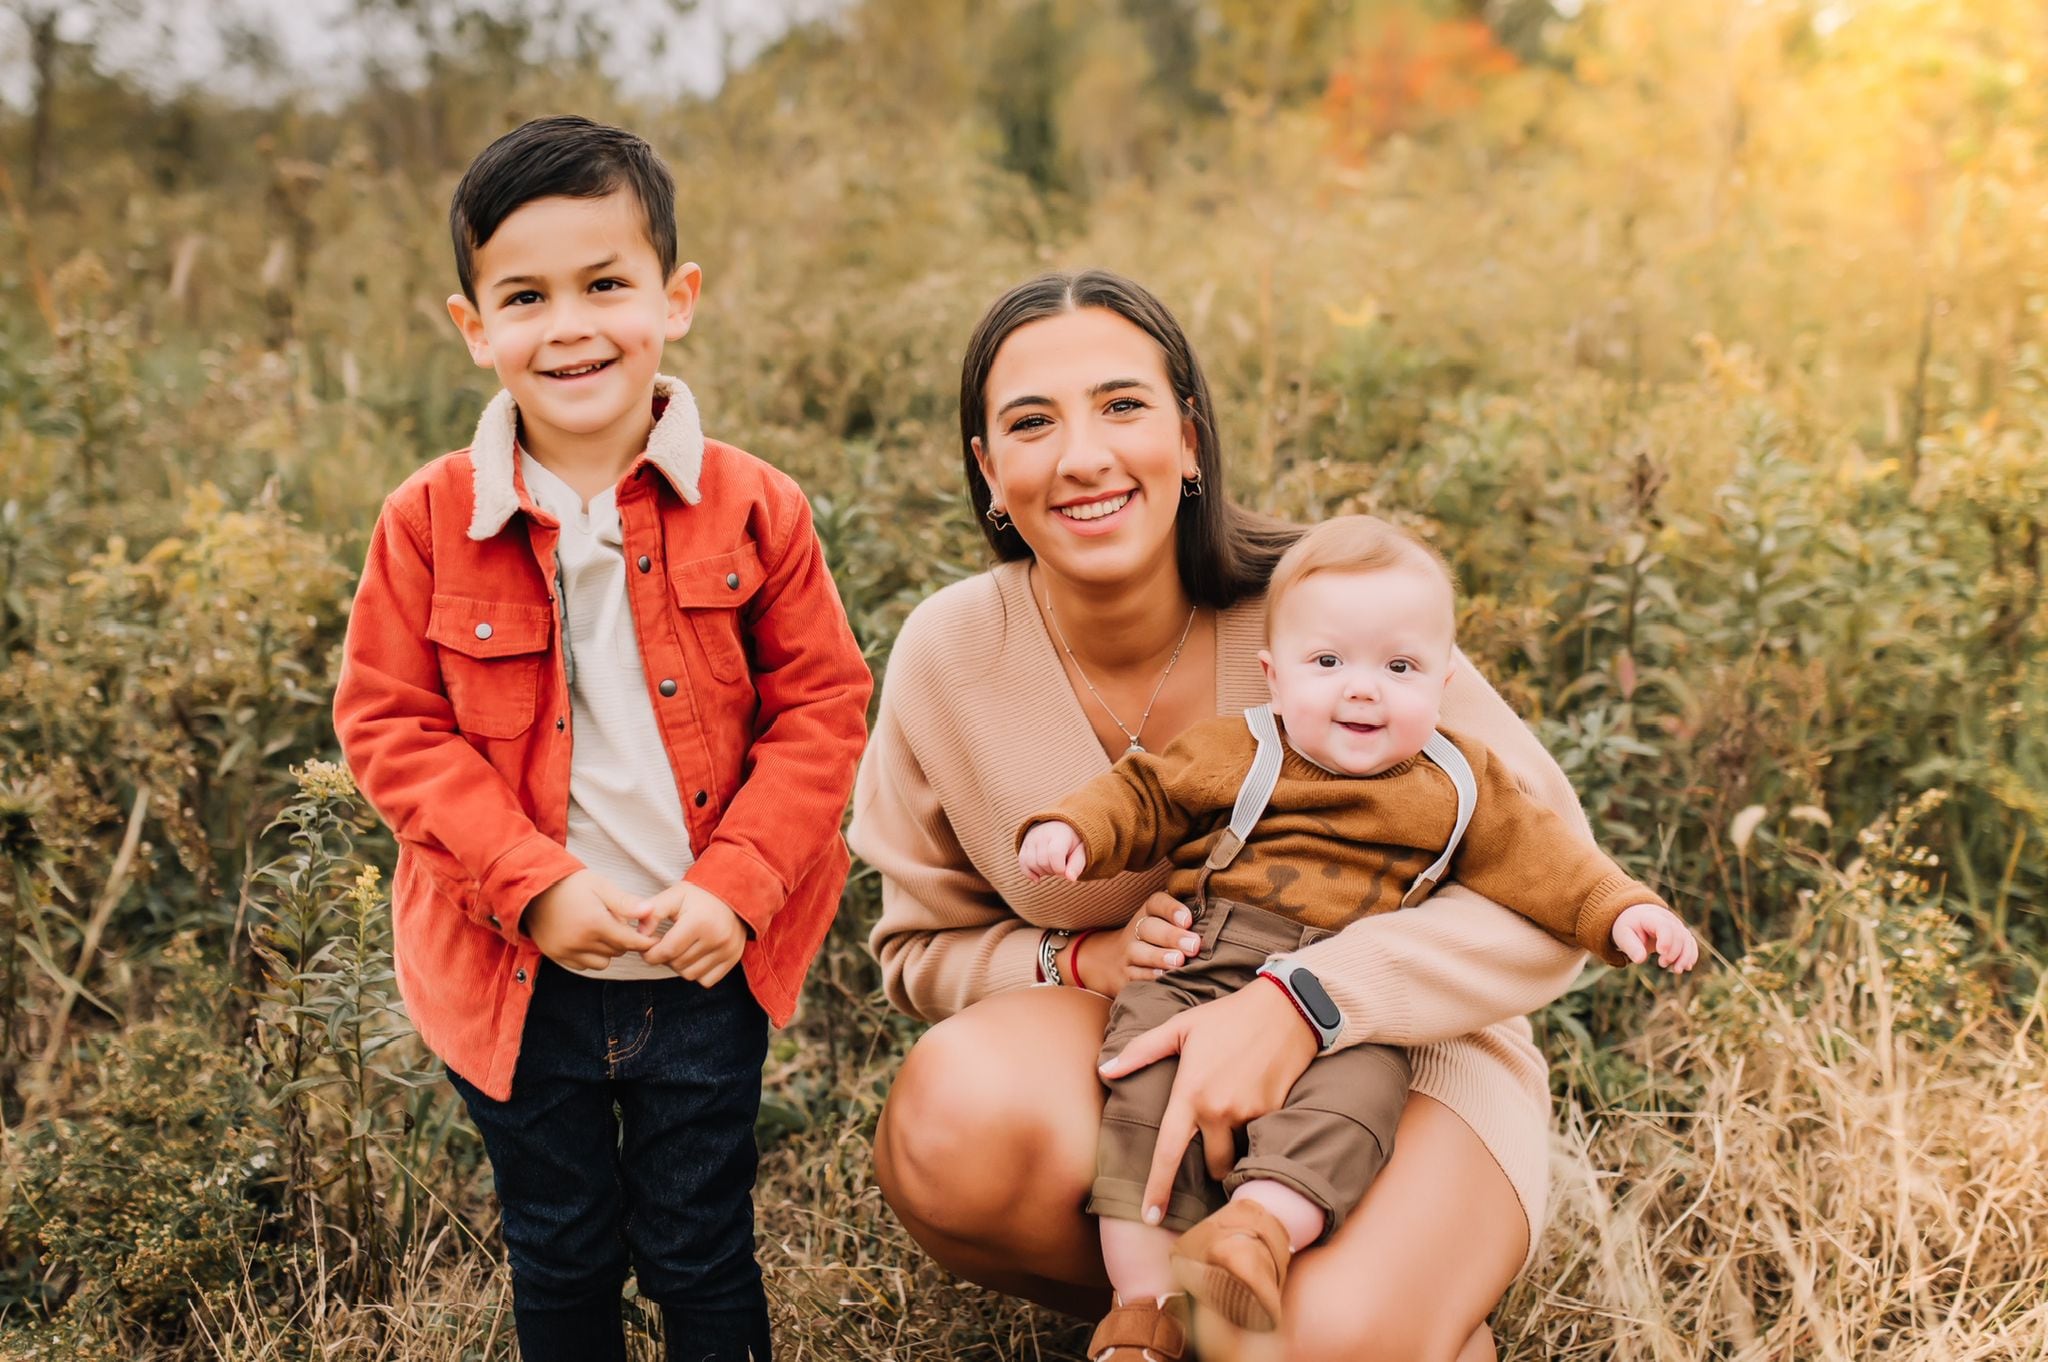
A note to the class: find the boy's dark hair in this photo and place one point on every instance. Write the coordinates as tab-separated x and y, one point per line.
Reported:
566	156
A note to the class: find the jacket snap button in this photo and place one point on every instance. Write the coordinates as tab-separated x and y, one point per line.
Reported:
732	580
484	630
560	724
702	798
494	920
668	688
520	976
646	563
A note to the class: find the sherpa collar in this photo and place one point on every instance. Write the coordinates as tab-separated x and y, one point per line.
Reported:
675	446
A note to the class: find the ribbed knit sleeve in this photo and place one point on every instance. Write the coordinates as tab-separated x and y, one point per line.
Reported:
1458	962
1522	853
944	938
1142	808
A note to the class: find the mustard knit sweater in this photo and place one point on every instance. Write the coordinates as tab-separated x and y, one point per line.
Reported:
979	729
1330	848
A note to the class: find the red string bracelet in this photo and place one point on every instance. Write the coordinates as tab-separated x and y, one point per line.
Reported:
1074	955
1295	1003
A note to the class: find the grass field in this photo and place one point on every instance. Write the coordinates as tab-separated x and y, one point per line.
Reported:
1705	337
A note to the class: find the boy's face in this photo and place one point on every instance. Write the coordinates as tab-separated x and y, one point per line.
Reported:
572	312
1358	663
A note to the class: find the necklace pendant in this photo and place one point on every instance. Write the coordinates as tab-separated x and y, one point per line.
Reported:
1134	747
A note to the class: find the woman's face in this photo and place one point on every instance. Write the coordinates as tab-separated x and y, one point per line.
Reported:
1087	445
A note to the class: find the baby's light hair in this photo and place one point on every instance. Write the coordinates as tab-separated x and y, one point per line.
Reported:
1352	543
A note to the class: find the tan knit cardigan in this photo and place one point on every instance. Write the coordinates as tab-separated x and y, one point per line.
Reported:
979	728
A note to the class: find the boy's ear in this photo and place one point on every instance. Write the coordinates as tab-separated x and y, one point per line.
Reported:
1266	667
682	290
470	323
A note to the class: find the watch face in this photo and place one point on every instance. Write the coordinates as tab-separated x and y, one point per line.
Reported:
1316	999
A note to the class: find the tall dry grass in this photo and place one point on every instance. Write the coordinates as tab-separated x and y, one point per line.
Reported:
1711	342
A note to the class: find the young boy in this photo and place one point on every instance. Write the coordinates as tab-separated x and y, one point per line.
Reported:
1277	841
600	684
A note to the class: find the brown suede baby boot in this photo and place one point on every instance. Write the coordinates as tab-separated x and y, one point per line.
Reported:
1235	1263
1143	1331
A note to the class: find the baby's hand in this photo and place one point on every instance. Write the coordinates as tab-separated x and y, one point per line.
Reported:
1052	848
1651	927
582	922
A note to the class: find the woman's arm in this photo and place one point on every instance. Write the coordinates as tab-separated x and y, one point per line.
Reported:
1459	962
945	938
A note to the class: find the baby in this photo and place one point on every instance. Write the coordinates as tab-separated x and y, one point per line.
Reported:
1280	835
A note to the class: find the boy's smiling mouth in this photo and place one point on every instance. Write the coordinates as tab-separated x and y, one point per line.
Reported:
579	370
1359	728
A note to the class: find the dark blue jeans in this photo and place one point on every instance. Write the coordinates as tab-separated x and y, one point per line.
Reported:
629	1140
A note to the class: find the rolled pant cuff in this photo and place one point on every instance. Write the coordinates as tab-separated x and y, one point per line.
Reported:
1298	1177
1122	1199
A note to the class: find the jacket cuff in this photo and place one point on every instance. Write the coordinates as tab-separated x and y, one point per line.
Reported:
523	871
739	881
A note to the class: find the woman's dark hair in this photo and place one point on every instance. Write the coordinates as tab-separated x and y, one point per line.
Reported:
1225	552
566	156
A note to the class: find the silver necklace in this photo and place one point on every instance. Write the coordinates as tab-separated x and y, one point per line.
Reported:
1135	746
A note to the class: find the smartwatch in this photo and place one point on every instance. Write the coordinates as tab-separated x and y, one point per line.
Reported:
1309	997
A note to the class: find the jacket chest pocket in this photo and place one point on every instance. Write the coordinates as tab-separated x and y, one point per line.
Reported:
491	655
710	593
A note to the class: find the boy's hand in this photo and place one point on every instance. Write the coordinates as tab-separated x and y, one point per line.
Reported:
1651	927
1052	848
583	922
707	937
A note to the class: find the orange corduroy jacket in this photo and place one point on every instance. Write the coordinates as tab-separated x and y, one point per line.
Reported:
453	711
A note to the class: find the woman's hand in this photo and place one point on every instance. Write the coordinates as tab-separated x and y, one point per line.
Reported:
1239	1057
1155	940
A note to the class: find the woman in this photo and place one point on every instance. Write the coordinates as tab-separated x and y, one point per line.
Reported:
1125	607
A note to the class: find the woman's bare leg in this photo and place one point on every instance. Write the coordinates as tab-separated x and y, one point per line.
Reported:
986	1148
1416	1269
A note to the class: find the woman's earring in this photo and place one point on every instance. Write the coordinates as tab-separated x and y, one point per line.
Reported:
1191	487
996	516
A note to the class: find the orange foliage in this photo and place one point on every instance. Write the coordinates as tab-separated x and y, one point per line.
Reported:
1409	73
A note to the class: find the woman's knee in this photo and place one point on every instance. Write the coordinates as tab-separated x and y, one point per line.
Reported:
1367	1325
960	1133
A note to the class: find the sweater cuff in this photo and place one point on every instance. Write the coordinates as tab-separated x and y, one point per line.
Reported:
1097	834
1362	983
1013	961
1594	929
523	871
753	891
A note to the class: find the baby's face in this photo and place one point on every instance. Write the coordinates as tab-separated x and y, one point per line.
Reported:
1358	663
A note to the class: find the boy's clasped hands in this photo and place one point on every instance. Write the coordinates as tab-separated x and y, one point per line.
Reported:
584	922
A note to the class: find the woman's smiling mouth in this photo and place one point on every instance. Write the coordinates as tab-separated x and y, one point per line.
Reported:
1094	510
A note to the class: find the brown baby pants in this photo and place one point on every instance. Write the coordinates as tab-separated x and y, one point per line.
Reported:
1327	1142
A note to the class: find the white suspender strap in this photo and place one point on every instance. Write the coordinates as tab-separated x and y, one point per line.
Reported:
1445	753
1257	790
